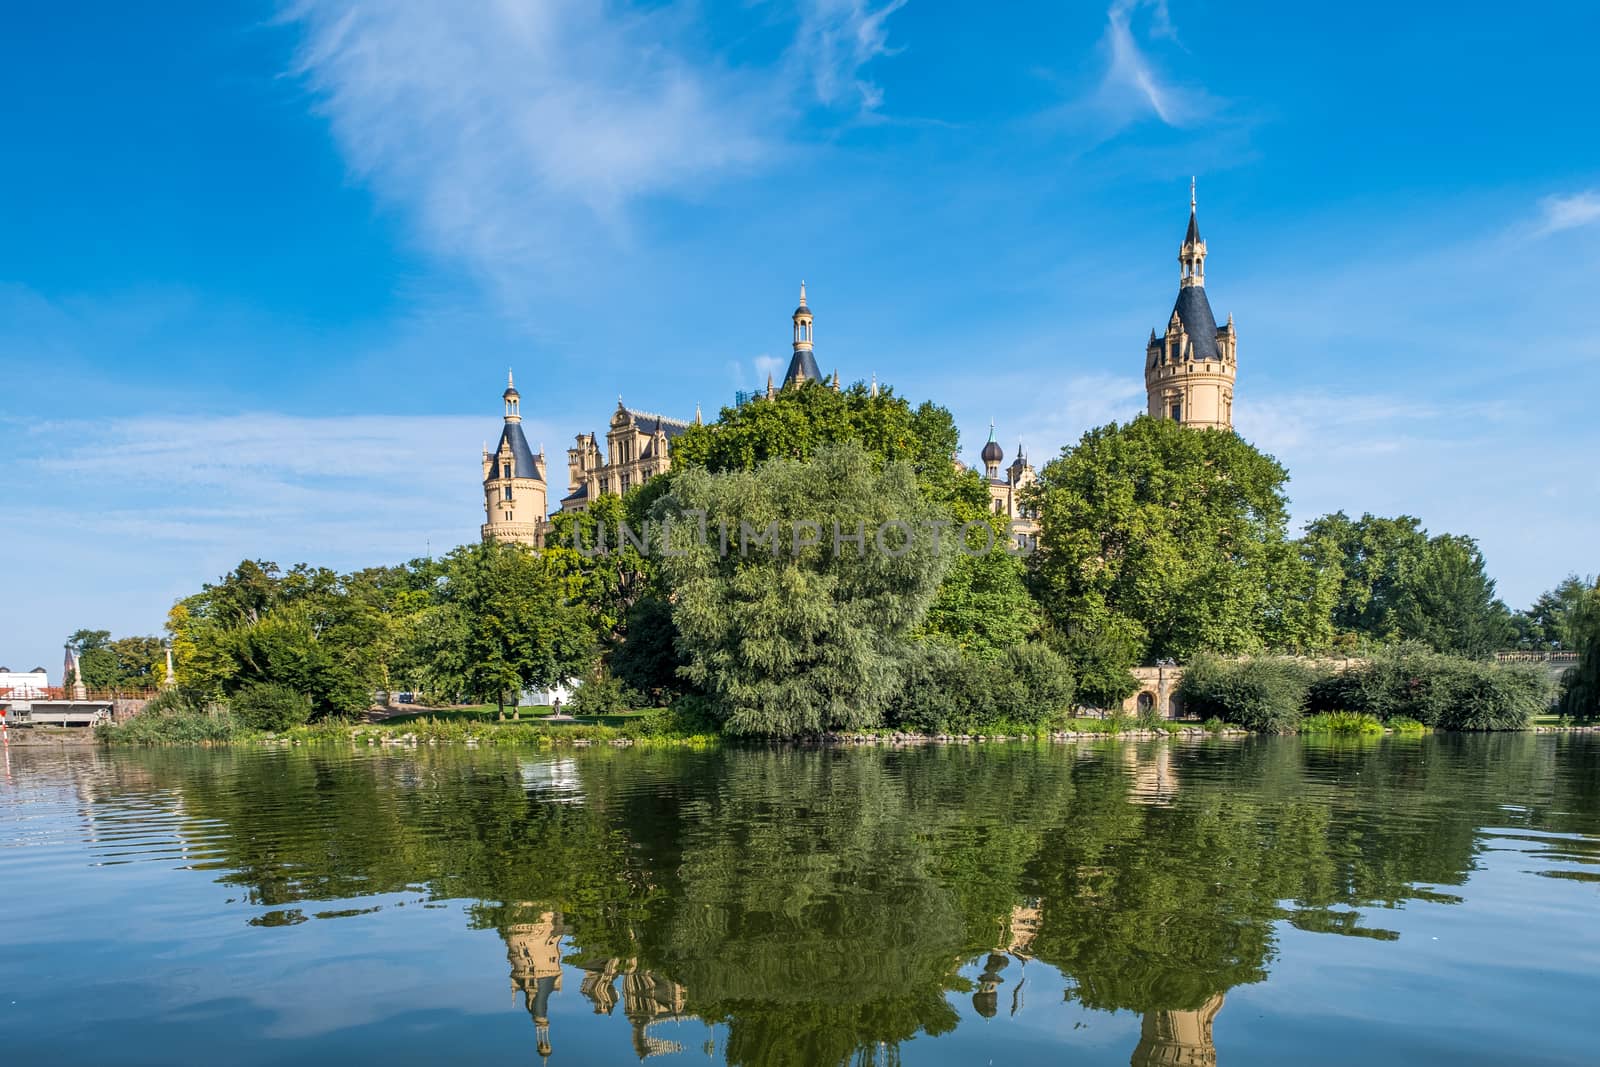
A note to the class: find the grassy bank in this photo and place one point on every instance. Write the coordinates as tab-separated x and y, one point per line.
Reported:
661	726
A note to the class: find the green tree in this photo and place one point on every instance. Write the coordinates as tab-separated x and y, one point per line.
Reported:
1375	555
1546	625
1580	686
1447	601
97	663
1171	541
141	662
804	633
797	423
515	625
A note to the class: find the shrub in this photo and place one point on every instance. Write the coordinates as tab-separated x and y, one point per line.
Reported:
269	706
1449	692
1341	722
1032	684
944	690
689	717
175	718
602	695
1402	724
1264	695
1214	725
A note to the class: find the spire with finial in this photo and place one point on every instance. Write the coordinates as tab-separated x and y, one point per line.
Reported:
770	391
803	364
513	399
873	391
836	379
698	421
1192	255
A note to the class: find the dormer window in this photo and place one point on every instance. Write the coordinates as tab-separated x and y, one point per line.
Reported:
505	470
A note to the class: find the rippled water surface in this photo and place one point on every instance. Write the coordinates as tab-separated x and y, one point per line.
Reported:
1264	901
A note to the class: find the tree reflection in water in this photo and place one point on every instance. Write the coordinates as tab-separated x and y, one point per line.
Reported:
828	905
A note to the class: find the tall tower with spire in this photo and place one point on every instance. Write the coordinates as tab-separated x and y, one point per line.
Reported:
803	364
1189	370
514	490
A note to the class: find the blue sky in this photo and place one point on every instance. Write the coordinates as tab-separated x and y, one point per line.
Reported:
263	268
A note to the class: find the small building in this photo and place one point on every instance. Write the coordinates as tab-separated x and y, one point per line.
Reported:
21	685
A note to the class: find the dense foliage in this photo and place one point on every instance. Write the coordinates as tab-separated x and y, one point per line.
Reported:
1398	583
484	620
1173	542
1158	543
946	690
125	663
1580	687
1267	695
790	637
1449	692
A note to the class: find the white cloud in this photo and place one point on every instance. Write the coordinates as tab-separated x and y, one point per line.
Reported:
1131	81
767	365
837	39
517	135
1559	213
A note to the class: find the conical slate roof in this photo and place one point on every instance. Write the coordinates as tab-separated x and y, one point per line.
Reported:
1194	311
803	362
523	464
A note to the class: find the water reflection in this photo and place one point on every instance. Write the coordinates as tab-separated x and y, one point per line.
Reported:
829	906
535	953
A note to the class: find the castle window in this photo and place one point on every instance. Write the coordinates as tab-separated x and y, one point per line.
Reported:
1177	412
624	481
505	470
508	493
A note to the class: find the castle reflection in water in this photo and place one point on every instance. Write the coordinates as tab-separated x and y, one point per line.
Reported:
534	949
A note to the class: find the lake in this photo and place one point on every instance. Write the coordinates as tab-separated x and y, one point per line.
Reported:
1258	901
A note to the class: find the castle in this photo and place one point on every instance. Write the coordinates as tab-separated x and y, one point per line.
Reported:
1188	374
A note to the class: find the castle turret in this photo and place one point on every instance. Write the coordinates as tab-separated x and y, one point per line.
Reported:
993	456
1189	371
514	490
803	364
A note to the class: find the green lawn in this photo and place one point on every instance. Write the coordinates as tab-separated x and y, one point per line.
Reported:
489	713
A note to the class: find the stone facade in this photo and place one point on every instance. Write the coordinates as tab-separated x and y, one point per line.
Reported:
1158	690
1007	494
638	447
1189	371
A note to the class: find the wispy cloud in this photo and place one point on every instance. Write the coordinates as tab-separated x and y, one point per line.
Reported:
1557	213
124	520
518	135
837	39
1132	85
307	485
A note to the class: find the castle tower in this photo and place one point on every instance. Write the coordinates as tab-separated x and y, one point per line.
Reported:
514	491
1178	1038
1189	371
803	364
